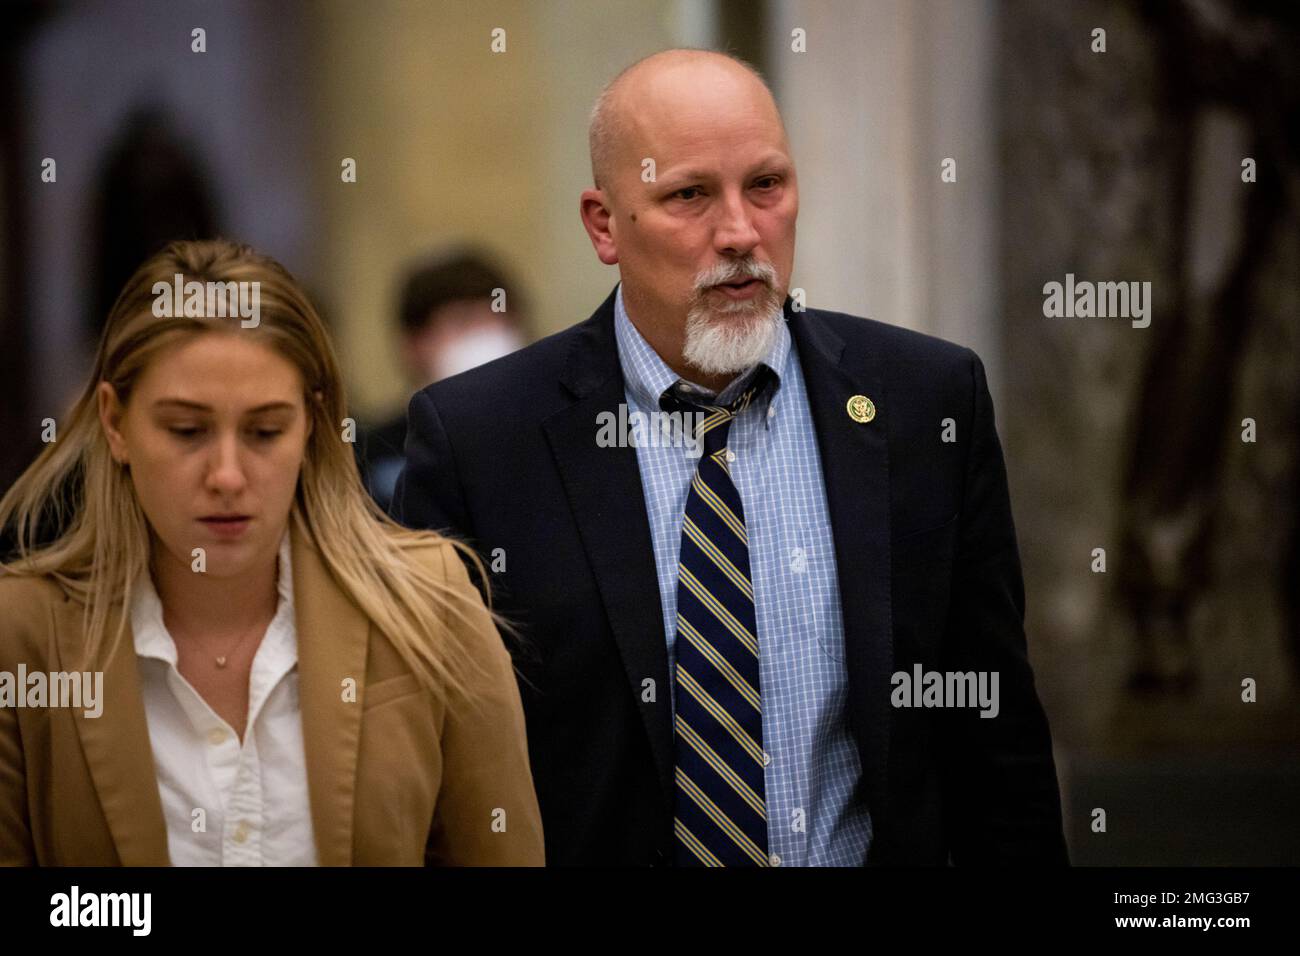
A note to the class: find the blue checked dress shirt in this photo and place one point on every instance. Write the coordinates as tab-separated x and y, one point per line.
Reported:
815	815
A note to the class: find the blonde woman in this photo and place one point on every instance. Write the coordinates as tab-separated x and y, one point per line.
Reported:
285	676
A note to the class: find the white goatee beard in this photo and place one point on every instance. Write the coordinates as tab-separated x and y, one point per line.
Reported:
730	338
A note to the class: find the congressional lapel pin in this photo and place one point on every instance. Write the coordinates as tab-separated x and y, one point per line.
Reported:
861	409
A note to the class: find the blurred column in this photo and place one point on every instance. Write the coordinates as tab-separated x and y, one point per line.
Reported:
887	90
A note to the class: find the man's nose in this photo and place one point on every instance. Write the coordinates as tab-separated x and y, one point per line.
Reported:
225	470
735	234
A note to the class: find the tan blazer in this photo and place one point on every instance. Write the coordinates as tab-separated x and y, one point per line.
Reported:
401	776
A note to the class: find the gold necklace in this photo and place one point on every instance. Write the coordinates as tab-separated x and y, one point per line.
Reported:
222	660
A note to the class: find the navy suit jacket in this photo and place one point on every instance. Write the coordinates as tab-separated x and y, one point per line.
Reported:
505	457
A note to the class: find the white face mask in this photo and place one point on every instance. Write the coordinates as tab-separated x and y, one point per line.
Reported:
473	349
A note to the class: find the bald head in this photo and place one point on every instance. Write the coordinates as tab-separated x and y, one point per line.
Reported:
660	86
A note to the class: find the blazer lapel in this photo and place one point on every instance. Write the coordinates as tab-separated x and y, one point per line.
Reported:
604	489
855	464
332	642
116	743
333	636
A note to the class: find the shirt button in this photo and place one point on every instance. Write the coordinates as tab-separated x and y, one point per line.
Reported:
774	860
731	455
798	560
771	411
216	736
767	759
241	831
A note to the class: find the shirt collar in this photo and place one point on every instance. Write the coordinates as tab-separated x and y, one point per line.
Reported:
150	633
647	375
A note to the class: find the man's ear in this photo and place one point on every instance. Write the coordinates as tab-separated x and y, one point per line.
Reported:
110	419
593	206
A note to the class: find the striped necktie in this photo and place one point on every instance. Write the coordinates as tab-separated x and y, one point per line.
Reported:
720	812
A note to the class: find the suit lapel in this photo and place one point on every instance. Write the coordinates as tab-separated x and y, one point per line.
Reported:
333	636
116	743
855	465
604	489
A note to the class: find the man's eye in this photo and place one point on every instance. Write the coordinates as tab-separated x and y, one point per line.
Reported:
767	182
268	433
680	194
182	431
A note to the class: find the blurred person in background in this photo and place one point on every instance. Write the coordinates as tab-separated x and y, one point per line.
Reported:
457	311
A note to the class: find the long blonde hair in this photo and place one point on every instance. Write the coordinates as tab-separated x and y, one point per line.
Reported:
103	544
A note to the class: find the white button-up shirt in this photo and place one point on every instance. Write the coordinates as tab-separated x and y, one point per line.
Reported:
227	803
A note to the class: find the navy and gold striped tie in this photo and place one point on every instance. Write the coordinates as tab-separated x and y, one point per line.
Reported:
720	816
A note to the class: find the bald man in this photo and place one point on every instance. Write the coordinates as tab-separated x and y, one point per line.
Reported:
761	560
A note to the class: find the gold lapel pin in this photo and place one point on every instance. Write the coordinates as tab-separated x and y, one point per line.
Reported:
861	409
